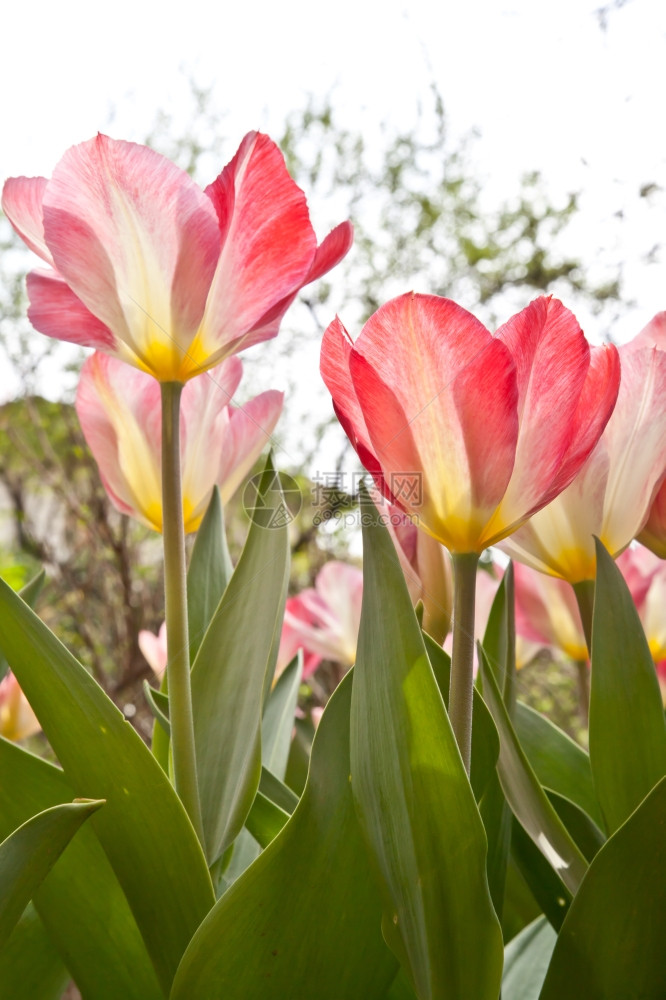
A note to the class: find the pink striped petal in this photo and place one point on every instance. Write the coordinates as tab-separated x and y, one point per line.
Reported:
268	243
120	414
138	242
652	335
247	434
547	612
439	395
56	311
22	199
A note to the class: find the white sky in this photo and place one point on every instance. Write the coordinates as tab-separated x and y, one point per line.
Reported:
546	87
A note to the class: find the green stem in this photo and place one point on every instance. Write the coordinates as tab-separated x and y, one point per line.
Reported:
584	591
175	601
462	660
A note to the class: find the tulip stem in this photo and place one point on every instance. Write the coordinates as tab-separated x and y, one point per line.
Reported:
462	661
175	602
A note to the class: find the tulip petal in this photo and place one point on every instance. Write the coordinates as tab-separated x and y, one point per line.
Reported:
247	434
268	244
119	410
56	311
451	413
137	241
330	252
22	199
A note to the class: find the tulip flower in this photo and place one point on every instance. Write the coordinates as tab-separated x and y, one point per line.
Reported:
120	414
17	719
324	620
467	432
151	269
547	613
613	492
645	574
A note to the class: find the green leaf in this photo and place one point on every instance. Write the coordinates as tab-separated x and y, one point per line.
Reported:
627	730
29	593
525	795
304	919
29	853
586	834
611	943
158	703
265	820
545	885
30	966
414	799
277	791
143	828
558	762
499	640
80	902
229	677
485	741
209	572
278	722
526	961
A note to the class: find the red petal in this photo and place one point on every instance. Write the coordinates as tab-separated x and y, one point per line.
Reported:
56	311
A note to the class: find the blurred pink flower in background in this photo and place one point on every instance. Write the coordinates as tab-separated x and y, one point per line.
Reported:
324	620
154	649
120	413
17	718
155	271
547	612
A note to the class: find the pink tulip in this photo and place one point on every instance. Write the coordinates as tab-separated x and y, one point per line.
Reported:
324	620
612	494
17	719
120	413
155	271
547	613
468	432
154	649
645	574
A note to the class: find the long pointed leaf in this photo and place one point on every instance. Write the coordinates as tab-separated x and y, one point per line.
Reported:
80	902
627	729
143	828
611	943
30	966
29	853
303	920
414	798
525	795
209	572
526	961
229	677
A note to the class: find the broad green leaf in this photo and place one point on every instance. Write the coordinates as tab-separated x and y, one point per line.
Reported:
83	908
278	721
611	943
499	640
143	828
485	741
304	919
520	907
499	643
29	853
30	966
558	762
584	831
277	791
401	988
525	795
29	593
627	730
209	572
414	798
545	885
158	703
526	961
265	820
229	677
